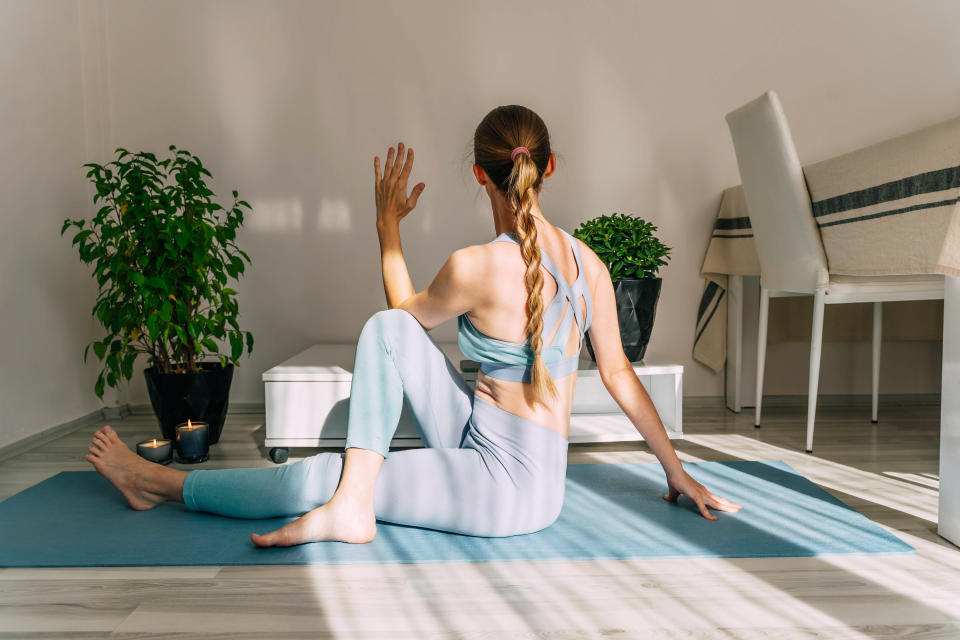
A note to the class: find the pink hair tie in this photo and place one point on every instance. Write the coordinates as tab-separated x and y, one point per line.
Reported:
513	154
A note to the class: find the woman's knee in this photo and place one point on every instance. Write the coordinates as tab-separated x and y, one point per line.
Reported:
388	323
386	319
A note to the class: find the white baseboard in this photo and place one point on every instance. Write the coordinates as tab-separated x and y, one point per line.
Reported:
96	419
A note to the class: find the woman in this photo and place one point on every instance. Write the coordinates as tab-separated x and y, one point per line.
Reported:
495	458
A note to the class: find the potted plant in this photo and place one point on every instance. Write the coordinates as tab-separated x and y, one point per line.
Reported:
633	256
162	252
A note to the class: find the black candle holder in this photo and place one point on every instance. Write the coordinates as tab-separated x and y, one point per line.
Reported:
193	442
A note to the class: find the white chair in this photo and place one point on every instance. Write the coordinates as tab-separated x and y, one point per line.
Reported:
792	260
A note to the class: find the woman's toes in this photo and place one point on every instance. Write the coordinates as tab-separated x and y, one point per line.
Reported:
272	539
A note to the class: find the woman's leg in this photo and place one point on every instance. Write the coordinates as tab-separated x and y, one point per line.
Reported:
395	358
507	479
268	492
264	492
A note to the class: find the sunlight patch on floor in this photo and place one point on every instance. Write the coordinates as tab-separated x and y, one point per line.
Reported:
543	597
916	478
906	497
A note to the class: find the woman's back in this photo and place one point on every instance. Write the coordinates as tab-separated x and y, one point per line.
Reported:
501	314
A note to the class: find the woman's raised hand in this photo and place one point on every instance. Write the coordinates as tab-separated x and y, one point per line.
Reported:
393	203
698	493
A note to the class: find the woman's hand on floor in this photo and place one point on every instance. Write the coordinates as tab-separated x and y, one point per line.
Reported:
698	493
390	188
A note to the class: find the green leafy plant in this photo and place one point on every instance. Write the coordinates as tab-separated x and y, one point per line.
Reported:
625	244
162	252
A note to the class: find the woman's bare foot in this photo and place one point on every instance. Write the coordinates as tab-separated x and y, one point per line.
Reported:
122	467
340	519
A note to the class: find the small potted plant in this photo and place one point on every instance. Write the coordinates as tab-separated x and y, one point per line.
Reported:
633	256
162	252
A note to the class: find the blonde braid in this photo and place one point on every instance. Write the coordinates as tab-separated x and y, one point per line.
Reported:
522	179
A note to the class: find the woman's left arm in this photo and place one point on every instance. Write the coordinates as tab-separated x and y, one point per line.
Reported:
449	293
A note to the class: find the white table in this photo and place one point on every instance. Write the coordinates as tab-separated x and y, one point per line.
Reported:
307	401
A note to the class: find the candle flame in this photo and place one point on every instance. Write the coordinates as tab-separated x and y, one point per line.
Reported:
189	426
154	442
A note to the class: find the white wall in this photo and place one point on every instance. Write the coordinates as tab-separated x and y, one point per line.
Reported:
46	295
289	102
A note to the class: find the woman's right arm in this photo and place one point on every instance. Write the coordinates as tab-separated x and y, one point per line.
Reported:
618	375
623	384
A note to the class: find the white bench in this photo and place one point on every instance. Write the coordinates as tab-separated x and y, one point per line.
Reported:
307	399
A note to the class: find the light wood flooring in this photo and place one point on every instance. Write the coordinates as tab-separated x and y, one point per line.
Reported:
887	471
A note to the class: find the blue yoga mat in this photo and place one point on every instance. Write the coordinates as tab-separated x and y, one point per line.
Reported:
77	519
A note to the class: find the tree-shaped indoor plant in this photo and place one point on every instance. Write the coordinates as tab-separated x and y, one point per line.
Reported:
633	256
162	252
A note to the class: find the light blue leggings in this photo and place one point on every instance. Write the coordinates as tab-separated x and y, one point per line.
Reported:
484	471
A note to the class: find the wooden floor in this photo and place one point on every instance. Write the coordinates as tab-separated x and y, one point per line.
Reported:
886	471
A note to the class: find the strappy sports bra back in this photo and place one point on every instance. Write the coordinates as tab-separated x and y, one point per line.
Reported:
513	360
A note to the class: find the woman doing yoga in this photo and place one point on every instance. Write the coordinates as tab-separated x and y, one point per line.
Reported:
495	457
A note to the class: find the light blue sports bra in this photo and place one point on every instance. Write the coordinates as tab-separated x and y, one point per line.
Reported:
513	360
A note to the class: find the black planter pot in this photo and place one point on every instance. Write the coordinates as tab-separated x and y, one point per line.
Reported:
198	396
636	309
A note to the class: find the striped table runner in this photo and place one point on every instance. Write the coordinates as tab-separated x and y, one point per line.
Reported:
892	208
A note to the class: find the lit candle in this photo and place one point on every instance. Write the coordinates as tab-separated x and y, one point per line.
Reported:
154	450
193	444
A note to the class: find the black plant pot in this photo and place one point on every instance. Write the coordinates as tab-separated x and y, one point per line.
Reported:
636	309
198	396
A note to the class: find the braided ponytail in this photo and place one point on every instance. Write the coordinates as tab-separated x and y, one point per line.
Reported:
519	178
519	189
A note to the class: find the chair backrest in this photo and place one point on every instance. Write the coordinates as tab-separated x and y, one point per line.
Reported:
787	239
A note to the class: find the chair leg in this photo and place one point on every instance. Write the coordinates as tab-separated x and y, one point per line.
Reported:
877	333
761	349
816	341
